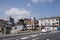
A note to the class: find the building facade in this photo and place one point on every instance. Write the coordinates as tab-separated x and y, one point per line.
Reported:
51	21
28	22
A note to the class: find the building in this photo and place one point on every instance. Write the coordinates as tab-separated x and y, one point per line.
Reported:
31	23
2	23
12	21
21	22
4	26
50	21
34	23
27	22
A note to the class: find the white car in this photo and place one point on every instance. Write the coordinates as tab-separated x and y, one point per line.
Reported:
45	30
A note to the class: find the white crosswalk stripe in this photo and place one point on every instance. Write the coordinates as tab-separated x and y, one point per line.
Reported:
25	38
35	38
29	36
34	35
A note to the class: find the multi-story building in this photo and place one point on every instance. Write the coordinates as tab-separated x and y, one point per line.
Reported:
51	21
12	21
28	22
3	22
20	22
4	25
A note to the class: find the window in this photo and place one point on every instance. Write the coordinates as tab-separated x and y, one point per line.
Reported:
56	19
45	23
42	20
52	23
41	23
48	19
56	23
52	19
49	24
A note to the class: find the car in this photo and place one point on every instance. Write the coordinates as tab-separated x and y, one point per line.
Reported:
45	30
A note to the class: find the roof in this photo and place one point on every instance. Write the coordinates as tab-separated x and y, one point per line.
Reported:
49	18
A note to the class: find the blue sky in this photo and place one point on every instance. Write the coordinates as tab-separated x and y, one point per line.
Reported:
29	8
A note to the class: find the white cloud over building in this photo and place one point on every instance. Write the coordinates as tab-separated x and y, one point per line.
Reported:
18	13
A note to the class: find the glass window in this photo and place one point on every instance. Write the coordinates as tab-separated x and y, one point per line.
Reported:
56	23
48	19
52	23
45	23
42	20
52	19
41	23
56	19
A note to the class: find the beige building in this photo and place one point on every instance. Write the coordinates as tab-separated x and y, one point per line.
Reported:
28	22
51	21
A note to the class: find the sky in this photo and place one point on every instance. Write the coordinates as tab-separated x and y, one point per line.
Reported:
29	8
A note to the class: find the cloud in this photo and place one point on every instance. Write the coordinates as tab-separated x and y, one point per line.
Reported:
28	4
50	0
37	1
18	13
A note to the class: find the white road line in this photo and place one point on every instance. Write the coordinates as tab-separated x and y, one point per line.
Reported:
47	39
25	38
29	36
35	38
49	32
34	35
17	39
42	33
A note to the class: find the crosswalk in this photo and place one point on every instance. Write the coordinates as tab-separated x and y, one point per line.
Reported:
22	38
25	38
29	36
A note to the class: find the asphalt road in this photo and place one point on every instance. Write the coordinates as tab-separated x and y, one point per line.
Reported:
54	35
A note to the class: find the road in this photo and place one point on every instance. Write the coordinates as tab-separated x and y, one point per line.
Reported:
54	35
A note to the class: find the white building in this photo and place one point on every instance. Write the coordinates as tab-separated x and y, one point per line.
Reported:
51	21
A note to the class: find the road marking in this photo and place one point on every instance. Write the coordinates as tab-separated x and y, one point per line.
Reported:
35	39
34	35
17	39
49	32
42	33
47	39
29	36
25	38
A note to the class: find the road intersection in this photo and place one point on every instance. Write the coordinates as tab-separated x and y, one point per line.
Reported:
34	36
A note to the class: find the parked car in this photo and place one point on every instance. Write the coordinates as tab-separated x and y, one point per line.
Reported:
45	30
